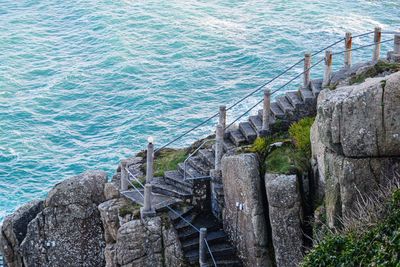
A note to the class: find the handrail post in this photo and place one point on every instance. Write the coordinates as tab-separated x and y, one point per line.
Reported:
147	210
202	247
348	42
377	47
150	160
396	48
266	112
219	147
124	176
222	116
328	68
307	70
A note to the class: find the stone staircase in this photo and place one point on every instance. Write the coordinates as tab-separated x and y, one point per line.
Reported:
222	250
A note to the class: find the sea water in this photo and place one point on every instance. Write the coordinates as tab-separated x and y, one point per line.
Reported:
84	83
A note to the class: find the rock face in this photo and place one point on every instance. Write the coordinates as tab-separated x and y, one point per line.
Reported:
14	231
362	120
68	231
246	224
285	217
348	178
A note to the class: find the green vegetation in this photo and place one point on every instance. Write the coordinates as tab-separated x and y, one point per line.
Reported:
378	245
168	159
378	68
300	134
133	209
291	154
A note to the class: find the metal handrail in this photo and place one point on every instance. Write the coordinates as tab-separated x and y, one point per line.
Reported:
191	155
209	249
257	90
137	179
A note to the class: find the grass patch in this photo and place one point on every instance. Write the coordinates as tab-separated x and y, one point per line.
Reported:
168	159
131	208
300	134
286	160
378	245
378	68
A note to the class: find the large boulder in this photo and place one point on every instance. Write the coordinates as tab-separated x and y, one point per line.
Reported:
68	231
245	223
140	244
285	216
317	163
349	178
13	232
362	120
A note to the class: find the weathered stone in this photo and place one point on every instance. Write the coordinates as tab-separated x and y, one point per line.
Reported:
362	120
172	246
109	212
68	232
285	218
349	178
110	254
246	226
13	232
111	191
318	163
140	243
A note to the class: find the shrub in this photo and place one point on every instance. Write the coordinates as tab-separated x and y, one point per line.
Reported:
300	134
370	235
378	68
133	209
286	160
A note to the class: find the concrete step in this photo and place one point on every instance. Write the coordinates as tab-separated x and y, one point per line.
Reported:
256	122
307	95
191	172
190	233
224	263
294	98
208	156
161	187
176	178
175	217
181	225
316	86
212	238
237	138
276	111
248	131
219	251
228	145
284	104
198	164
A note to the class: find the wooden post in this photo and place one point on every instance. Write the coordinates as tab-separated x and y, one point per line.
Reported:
202	247
348	54
328	68
124	176
307	65
222	116
377	42
150	160
266	112
219	147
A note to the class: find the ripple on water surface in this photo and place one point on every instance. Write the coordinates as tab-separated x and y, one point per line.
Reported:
82	83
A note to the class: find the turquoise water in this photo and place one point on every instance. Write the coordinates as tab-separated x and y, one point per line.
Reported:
83	83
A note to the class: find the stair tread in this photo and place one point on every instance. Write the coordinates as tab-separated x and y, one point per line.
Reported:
159	183
284	104
237	137
189	218
215	235
208	155
225	248
316	86
294	98
174	217
176	177
306	94
191	172
256	122
277	111
197	163
248	131
228	145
